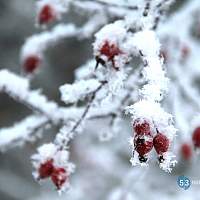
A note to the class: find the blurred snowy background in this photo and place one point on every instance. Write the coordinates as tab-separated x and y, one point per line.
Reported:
17	20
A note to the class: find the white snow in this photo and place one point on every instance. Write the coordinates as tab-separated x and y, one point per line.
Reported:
71	93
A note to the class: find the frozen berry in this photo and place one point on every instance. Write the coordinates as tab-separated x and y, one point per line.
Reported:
31	63
196	137
46	169
186	151
161	143
141	127
46	15
59	177
110	51
143	145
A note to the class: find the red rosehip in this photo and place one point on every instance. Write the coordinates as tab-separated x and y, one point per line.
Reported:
196	137
31	63
141	128
46	15
161	143
59	177
46	169
110	51
186	151
143	145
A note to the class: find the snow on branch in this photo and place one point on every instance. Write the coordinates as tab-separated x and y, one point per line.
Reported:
22	132
34	47
147	111
19	89
40	41
78	91
37	44
153	71
48	111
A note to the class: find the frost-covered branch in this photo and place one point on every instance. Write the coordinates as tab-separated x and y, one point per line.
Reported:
48	112
35	45
19	89
21	132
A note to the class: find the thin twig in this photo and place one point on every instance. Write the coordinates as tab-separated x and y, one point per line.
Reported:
87	107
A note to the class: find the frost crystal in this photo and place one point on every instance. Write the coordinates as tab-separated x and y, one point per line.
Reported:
78	91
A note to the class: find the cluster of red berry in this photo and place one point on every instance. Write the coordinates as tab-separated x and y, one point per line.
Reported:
145	140
58	175
187	149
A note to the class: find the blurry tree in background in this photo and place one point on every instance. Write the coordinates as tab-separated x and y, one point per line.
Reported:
109	63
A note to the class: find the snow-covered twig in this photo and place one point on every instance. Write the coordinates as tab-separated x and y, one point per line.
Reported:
23	131
19	89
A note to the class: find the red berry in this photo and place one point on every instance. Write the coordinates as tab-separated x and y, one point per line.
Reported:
59	177
110	50
142	128
31	63
186	151
46	169
196	137
143	145
46	15
161	143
